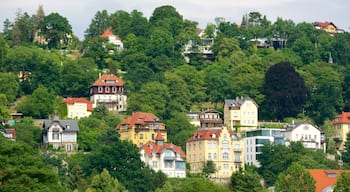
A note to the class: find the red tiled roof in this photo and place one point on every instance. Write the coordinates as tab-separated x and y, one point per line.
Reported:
113	81
72	100
324	178
343	118
151	147
205	134
139	118
159	137
108	33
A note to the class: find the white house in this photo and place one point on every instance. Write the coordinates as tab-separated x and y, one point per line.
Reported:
113	39
78	107
168	158
240	114
309	135
61	134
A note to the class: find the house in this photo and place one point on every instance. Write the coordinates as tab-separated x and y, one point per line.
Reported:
325	179
78	107
141	128
210	118
9	133
309	135
341	124
193	118
165	157
240	114
329	27
254	141
203	46
219	145
113	39
61	134
109	90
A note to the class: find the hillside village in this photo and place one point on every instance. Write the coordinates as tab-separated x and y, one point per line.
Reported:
156	107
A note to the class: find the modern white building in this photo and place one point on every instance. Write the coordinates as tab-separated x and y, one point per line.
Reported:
165	157
61	134
240	114
255	139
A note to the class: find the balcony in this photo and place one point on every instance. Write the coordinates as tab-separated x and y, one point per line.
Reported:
237	150
238	161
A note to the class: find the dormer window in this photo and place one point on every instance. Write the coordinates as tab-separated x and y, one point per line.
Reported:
213	135
110	81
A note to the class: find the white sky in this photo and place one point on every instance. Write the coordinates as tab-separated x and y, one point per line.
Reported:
80	12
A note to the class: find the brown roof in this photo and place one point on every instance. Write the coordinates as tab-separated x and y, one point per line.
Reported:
343	118
71	101
205	134
108	80
151	147
323	24
159	137
325	178
139	118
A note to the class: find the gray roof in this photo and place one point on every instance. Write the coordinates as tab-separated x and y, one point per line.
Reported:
238	101
67	125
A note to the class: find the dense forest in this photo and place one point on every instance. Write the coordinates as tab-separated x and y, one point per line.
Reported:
304	75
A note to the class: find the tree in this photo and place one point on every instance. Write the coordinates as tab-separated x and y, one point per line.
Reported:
343	182
28	133
208	168
22	169
346	152
224	46
57	30
192	184
38	105
104	182
285	91
9	86
295	179
98	24
245	181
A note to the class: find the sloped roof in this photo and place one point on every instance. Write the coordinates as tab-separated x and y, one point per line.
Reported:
323	24
152	147
108	33
72	100
67	125
139	118
108	80
159	137
294	125
205	134
324	178
238	101
343	118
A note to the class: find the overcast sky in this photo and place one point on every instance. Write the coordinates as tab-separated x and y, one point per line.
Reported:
80	12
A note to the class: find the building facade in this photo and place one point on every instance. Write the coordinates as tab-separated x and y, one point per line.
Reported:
309	135
254	141
61	134
78	107
165	157
219	145
240	114
109	90
210	118
113	39
141	128
341	124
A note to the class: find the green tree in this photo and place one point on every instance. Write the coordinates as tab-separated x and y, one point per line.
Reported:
192	184
285	91
341	49
9	86
38	105
208	168
104	182
22	169
343	182
99	23
295	179
57	30
246	180
225	46
27	132
346	152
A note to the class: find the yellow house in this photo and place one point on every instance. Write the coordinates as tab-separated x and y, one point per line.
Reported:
219	145
341	124
141	128
329	27
240	114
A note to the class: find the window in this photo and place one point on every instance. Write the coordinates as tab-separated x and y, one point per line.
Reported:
68	147
114	89
226	166
155	164
214	144
209	144
152	135
214	155
55	135
107	89
100	89
224	145
168	164
225	156
209	155
141	135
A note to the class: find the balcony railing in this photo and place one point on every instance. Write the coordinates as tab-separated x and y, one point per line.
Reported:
237	149
238	161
